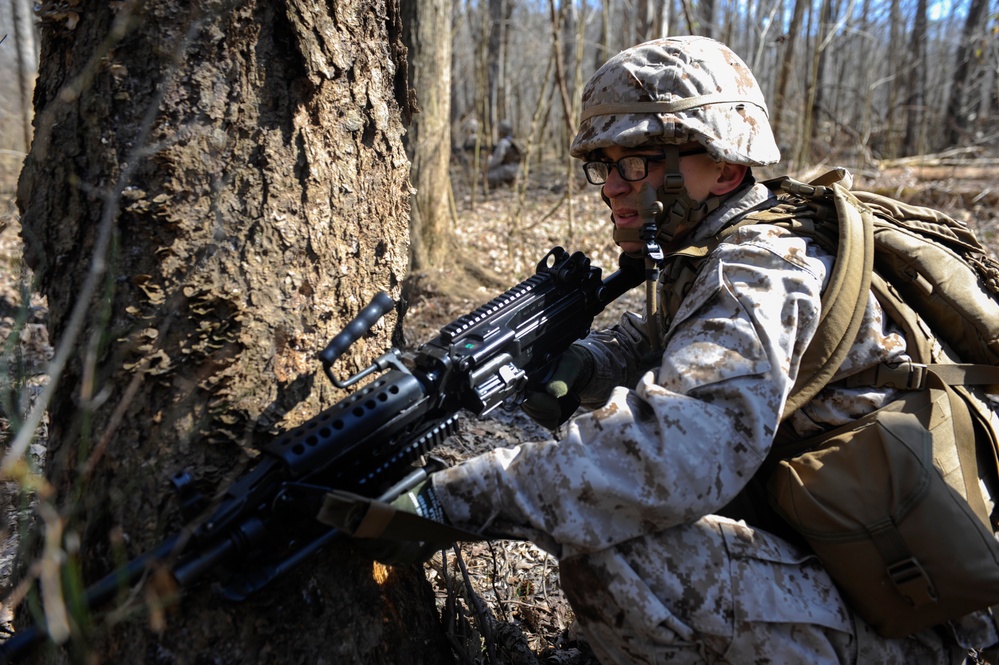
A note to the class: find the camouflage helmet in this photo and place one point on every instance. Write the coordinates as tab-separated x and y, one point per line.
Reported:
674	91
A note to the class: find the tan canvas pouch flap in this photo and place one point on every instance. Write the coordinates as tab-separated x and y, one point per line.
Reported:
898	538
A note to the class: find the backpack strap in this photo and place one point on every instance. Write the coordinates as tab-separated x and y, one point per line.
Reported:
965	442
844	299
913	375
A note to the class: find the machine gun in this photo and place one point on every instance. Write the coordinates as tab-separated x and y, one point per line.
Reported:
368	442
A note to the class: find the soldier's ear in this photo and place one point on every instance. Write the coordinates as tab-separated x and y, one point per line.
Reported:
729	177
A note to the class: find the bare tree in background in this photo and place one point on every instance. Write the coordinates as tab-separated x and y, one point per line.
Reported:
706	18
915	129
429	136
499	21
895	76
957	120
823	36
826	40
27	61
788	42
838	74
210	195
604	49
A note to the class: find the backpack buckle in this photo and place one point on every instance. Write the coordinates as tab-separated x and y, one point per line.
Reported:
901	376
806	191
912	582
917	376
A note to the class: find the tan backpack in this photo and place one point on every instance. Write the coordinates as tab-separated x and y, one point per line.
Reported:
891	503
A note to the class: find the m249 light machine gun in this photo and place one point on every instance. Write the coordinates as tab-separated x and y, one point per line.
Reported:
367	443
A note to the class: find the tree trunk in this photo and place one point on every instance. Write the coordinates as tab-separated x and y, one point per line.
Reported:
429	138
604	51
957	120
561	77
27	61
915	134
812	106
896	55
826	36
214	192
787	65
494	58
706	23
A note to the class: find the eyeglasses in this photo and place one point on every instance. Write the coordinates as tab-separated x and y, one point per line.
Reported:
630	168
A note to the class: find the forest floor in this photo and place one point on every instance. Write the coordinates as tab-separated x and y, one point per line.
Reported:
523	617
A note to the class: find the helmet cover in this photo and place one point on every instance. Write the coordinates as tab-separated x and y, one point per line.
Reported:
674	91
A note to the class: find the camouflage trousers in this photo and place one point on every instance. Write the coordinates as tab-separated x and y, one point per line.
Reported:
717	591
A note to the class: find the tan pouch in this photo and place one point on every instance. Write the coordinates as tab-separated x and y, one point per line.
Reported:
882	502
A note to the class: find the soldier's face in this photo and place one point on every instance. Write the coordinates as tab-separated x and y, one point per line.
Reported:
700	176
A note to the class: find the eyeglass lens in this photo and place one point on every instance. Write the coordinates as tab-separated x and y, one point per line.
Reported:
631	168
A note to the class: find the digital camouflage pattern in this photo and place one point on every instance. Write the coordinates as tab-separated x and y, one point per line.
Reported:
674	91
628	498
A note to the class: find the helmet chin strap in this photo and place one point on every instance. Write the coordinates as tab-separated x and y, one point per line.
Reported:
668	215
680	213
649	210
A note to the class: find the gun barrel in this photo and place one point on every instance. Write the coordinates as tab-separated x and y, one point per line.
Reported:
100	592
22	641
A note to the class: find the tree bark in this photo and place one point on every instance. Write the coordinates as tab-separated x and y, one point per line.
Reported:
245	163
27	61
787	64
957	121
429	138
915	134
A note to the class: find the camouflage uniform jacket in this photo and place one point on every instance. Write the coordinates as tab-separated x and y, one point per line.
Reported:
669	444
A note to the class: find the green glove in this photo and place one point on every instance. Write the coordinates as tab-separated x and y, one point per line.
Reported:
553	407
391	533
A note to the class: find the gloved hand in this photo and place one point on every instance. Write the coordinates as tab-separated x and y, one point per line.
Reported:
392	533
573	371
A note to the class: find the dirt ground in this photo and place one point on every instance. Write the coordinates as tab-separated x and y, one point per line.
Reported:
501	602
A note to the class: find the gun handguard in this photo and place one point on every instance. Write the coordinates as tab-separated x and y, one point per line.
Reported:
264	524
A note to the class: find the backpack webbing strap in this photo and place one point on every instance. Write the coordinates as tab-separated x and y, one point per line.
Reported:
844	300
917	346
965	441
913	376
